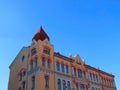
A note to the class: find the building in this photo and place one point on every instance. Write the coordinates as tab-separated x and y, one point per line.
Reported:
39	67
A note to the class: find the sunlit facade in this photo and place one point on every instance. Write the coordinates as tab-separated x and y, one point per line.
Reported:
39	67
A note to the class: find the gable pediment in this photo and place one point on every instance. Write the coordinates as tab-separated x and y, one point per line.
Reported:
78	60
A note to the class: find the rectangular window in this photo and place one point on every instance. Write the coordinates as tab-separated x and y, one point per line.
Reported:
68	85
79	73
67	69
24	73
43	62
85	75
33	83
20	77
90	76
33	51
92	88
58	66
76	86
49	63
46	51
23	86
31	65
74	71
62	67
47	82
59	84
82	87
35	63
94	78
64	85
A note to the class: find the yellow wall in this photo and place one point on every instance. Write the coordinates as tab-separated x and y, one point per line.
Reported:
17	66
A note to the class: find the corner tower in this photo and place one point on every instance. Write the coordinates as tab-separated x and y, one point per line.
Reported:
41	66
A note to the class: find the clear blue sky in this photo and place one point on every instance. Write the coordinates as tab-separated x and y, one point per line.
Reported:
90	28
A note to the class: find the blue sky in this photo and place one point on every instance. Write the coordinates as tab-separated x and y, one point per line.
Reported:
90	28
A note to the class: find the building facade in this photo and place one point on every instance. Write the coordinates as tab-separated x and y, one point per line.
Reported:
39	67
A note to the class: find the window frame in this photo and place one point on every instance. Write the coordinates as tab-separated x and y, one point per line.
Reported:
67	69
47	82
46	51
79	73
33	51
62	68
33	83
43	62
57	66
49	63
59	84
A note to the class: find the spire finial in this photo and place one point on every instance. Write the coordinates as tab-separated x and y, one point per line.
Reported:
40	29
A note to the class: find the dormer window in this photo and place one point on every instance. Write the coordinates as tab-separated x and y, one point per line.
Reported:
46	51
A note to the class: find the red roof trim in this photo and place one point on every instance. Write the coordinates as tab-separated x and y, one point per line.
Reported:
63	57
90	67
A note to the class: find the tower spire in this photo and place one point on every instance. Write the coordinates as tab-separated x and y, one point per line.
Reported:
41	35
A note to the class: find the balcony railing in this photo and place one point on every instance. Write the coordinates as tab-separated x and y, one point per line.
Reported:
39	70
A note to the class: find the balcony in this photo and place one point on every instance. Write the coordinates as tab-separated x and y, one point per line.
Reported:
81	81
39	70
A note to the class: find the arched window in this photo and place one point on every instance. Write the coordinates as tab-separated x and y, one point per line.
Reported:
64	85
68	85
59	84
82	87
22	59
47	82
79	73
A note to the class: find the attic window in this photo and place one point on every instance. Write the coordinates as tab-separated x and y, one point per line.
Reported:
46	51
78	62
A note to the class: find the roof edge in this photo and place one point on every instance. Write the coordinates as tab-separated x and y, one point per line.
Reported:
17	56
88	66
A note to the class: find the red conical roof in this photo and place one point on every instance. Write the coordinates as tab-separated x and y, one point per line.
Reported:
40	35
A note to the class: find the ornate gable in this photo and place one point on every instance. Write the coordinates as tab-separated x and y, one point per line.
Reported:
78	60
